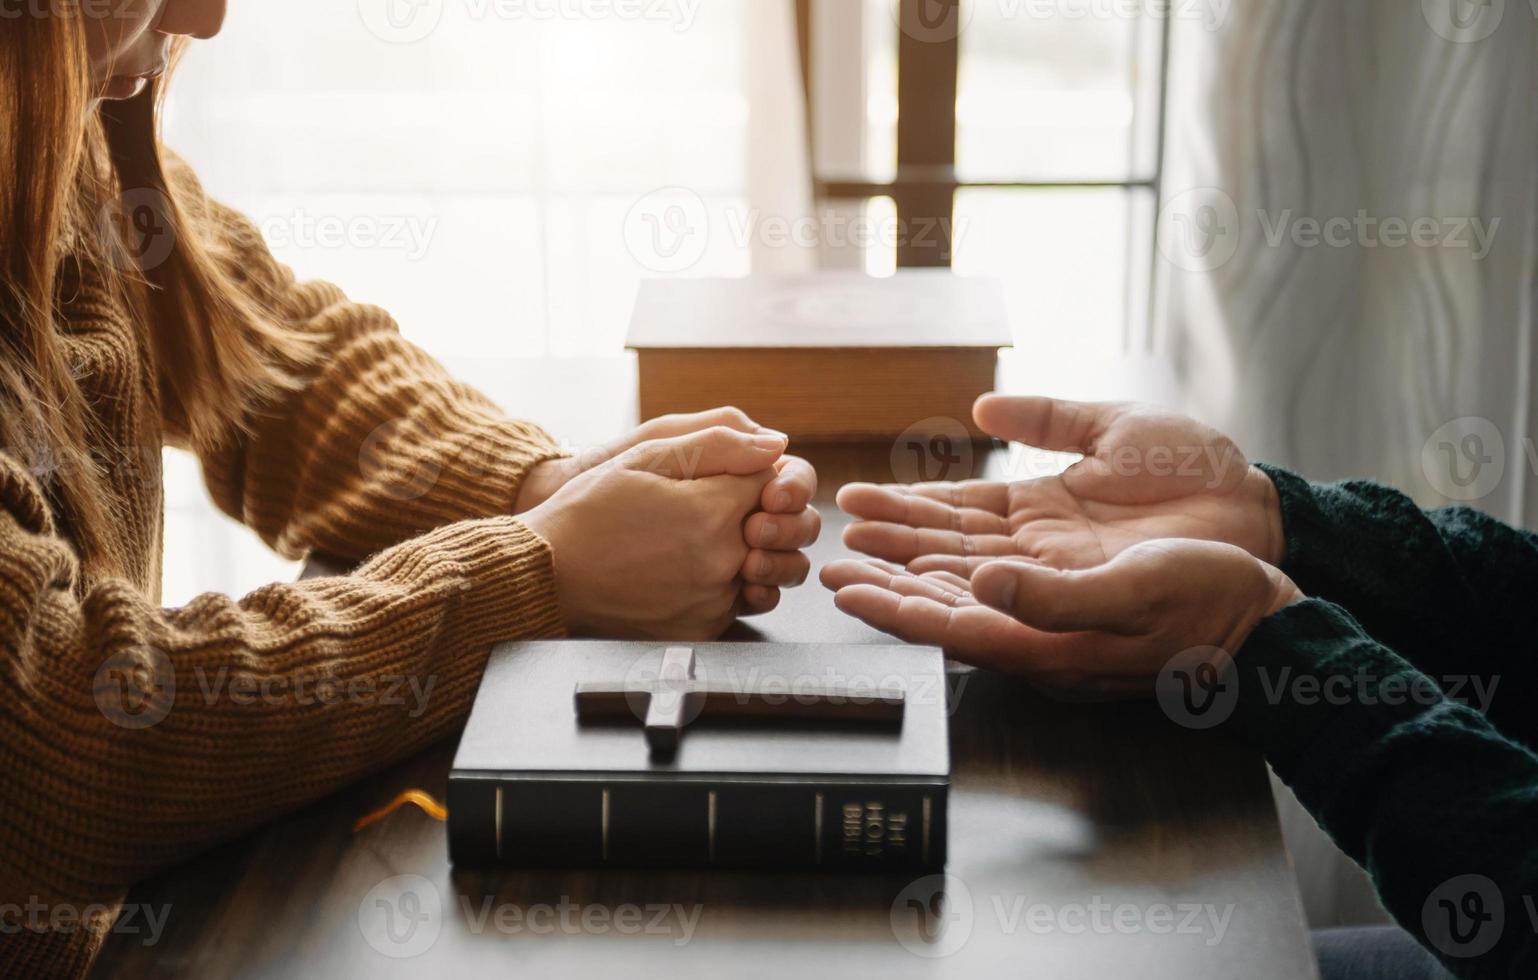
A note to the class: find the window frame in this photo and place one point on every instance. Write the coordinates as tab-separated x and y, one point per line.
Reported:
926	183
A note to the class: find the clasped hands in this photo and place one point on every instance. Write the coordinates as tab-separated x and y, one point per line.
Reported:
1161	539
675	530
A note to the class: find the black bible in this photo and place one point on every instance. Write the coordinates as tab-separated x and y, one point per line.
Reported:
593	754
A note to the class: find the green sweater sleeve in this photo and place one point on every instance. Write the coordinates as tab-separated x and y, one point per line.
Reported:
1451	590
1436	804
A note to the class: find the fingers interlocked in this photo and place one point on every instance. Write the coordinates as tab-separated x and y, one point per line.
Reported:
777	533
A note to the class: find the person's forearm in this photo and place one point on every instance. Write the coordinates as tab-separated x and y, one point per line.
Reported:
1425	794
250	707
374	443
378	447
1450	590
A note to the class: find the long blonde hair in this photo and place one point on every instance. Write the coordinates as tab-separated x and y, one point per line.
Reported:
61	163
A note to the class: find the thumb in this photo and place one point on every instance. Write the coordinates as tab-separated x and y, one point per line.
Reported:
1058	601
718	451
1046	423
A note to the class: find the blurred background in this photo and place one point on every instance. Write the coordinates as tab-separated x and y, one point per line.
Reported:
1149	180
476	172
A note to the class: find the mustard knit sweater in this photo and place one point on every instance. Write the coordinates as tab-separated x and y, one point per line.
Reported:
378	455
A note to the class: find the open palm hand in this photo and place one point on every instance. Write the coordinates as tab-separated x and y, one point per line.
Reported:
1102	632
1145	475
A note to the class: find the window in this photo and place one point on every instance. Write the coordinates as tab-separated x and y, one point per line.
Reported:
1030	130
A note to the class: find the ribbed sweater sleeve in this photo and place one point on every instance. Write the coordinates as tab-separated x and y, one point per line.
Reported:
1425	793
1450	590
377	443
136	736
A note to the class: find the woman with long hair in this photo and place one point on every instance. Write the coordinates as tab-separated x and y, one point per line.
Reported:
136	312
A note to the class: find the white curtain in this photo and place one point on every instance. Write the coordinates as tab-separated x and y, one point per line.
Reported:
1348	240
487	172
1345	358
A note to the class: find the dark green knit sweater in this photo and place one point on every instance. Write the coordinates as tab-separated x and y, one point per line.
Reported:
1373	716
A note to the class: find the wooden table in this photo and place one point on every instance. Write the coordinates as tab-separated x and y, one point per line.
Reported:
1096	842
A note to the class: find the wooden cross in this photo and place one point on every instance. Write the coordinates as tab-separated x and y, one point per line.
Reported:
676	698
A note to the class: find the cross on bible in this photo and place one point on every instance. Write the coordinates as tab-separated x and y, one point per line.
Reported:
676	698
819	756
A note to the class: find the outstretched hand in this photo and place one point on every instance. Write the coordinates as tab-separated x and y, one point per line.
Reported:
1102	632
1145	475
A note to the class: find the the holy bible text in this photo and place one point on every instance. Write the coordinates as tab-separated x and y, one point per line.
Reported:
727	755
830	357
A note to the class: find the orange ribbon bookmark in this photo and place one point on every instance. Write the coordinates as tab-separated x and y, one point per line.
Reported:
426	803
